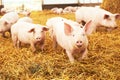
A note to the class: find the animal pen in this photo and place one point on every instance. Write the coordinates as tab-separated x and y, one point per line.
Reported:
102	63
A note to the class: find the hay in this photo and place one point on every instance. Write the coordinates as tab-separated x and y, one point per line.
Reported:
111	5
103	62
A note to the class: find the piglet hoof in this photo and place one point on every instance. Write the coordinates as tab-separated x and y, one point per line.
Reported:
54	46
79	59
71	62
64	51
4	36
109	29
33	50
42	50
17	47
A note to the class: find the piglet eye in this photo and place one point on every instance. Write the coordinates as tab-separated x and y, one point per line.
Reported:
73	35
81	26
83	34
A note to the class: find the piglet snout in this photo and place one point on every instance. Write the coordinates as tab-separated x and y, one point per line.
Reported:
110	29
79	43
38	38
116	27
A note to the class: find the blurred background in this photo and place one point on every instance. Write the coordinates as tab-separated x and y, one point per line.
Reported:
41	4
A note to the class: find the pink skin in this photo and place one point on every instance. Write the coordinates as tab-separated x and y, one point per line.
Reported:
28	33
99	17
39	40
6	21
70	37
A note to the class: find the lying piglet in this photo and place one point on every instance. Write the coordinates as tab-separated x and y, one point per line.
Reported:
99	17
70	9
70	36
57	10
29	33
7	21
26	19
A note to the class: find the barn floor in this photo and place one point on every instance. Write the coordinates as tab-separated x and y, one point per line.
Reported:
103	62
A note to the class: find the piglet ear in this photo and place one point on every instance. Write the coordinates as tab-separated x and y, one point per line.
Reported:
88	27
28	14
117	16
32	30
5	23
67	29
45	29
106	16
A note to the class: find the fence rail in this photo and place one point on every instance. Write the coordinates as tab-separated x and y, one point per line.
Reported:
49	6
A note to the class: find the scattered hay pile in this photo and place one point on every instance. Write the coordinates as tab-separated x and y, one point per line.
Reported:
103	61
111	5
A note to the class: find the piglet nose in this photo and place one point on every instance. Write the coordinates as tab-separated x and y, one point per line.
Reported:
79	43
116	27
38	38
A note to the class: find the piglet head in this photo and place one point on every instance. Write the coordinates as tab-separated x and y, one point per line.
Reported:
110	20
38	33
4	25
77	34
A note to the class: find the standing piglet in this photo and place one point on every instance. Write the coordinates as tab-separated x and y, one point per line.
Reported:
51	22
7	21
99	17
28	33
70	36
25	19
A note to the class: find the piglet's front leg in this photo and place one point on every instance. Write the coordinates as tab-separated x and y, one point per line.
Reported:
3	35
70	56
84	54
33	47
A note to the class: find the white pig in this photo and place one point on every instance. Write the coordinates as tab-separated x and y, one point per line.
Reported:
51	22
99	17
70	9
6	10
6	22
3	11
26	19
28	33
69	35
57	10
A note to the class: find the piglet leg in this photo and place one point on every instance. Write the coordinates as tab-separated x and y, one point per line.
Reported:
69	54
84	54
33	47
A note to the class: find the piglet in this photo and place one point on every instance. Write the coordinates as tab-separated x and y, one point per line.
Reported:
6	21
28	33
70	9
57	10
99	17
25	19
70	35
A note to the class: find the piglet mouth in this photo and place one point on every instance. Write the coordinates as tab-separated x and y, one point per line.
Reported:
79	46
111	28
